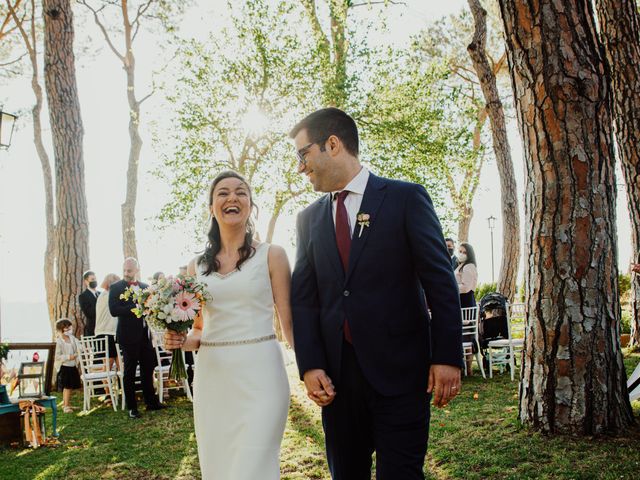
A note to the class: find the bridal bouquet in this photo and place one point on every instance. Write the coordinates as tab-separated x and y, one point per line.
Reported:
170	304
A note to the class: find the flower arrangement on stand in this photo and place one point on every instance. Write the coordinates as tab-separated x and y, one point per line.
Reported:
173	303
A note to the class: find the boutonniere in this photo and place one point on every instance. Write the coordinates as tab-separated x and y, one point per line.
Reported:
363	221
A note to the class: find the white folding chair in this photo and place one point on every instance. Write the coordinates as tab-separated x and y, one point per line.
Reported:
161	372
94	362
502	352
120	374
470	336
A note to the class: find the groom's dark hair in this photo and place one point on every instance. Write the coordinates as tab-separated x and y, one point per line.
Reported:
321	124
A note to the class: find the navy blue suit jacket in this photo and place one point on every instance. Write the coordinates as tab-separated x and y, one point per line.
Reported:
130	329
400	258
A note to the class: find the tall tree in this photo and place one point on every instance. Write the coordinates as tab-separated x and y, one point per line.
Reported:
447	40
132	16
26	25
620	34
573	378
72	227
509	191
331	49
240	93
411	128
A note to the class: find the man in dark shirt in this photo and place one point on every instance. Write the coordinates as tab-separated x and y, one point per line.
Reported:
87	301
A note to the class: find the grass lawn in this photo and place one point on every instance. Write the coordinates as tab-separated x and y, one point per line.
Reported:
471	439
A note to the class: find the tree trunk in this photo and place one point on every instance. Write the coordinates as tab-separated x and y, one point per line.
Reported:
72	229
333	50
620	34
466	214
30	42
509	194
129	206
573	379
338	12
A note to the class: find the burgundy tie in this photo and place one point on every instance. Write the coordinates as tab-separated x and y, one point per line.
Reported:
343	238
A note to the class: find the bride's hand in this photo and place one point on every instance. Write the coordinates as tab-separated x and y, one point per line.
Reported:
174	340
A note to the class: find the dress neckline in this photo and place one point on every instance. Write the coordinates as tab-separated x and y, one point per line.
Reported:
222	276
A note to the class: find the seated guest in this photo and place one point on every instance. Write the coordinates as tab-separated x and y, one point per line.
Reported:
106	324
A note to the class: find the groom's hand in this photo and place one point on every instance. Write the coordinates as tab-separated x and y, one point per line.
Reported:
444	383
319	387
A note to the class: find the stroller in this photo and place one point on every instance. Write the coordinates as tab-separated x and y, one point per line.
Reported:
493	322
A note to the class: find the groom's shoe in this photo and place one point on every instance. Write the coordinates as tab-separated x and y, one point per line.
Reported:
134	414
156	406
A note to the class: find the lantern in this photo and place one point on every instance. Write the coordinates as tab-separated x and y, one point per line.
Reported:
31	380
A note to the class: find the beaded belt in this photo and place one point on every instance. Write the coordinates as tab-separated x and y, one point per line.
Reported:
238	342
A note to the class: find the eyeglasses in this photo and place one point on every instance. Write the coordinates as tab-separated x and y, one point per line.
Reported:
302	152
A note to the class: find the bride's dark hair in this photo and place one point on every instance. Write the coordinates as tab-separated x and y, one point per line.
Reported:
208	258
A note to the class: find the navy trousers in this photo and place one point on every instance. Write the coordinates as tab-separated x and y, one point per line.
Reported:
360	421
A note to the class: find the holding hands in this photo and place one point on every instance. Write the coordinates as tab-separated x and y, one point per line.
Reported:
319	387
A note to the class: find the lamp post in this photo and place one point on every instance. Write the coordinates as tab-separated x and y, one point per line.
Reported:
7	122
492	224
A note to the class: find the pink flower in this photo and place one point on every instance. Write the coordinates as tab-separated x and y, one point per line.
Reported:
186	306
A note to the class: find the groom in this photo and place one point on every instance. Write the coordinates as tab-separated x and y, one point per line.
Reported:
368	350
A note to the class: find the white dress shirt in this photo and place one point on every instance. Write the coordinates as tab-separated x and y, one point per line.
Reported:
352	203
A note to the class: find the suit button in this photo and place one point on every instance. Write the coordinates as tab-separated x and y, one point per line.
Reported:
346	293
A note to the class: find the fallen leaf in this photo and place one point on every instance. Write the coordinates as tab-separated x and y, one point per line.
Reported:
476	396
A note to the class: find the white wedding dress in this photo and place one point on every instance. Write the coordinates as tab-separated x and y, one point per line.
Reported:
241	390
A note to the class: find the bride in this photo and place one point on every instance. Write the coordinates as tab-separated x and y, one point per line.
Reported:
241	390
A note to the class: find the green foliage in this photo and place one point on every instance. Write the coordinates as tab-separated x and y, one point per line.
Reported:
409	126
625	321
4	351
408	118
624	285
236	97
483	288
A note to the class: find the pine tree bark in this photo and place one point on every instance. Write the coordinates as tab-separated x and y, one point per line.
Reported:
573	379
29	39
620	34
509	192
72	228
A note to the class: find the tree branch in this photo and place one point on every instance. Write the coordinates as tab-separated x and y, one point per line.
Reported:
14	61
104	30
378	3
318	33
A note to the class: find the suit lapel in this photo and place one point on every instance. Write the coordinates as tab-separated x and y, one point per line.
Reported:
327	235
371	201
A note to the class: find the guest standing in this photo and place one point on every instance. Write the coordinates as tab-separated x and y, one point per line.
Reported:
106	324
87	301
467	275
133	335
67	359
451	248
